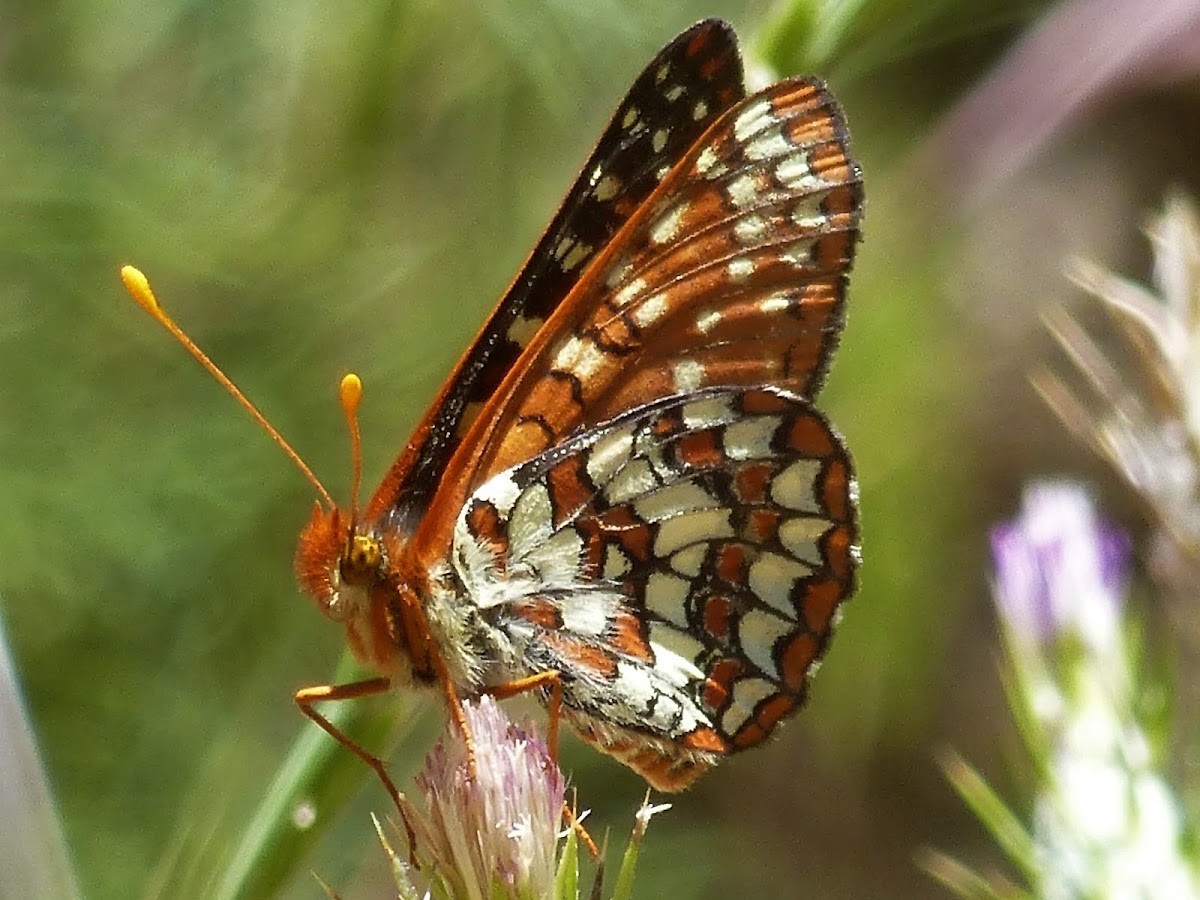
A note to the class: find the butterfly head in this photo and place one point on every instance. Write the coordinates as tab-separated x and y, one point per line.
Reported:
337	564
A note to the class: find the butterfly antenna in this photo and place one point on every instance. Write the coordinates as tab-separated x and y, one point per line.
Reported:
139	288
350	393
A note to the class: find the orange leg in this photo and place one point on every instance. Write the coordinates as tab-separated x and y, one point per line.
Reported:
552	679
306	697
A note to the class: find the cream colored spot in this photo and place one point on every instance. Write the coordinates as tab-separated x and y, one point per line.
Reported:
659	140
630	118
747	694
688	375
709	165
795	486
501	491
707	321
650	310
565	243
808	212
707	412
673	500
698	527
800	537
633	480
627	294
740	268
796	173
608	455
666	227
751	438
578	254
583	614
666	596
775	303
678	643
753	119
663	71
606	188
750	230
772	577
799	253
759	631
674	92
689	562
529	523
580	356
616	563
522	330
768	145
742	191
700	110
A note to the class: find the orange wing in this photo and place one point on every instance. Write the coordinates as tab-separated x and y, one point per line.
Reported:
732	273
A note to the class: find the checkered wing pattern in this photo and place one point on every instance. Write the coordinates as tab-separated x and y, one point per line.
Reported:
732	272
692	81
680	566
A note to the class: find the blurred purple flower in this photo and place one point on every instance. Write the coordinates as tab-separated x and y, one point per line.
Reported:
1059	568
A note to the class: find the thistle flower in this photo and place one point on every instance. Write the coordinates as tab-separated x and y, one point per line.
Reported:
494	833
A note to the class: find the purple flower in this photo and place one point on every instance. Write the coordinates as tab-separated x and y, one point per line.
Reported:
492	833
1059	568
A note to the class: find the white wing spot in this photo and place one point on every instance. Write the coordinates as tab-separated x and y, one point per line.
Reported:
742	191
608	455
674	500
700	110
625	295
530	522
666	228
666	596
632	480
800	537
750	230
688	375
616	563
796	173
740	268
778	302
795	487
659	140
650	310
700	527
753	119
759	631
707	412
709	165
767	146
772	577
751	438
747	694
675	92
688	562
631	117
707	321
663	71
808	212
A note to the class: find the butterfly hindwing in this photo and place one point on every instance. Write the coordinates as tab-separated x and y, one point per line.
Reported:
680	566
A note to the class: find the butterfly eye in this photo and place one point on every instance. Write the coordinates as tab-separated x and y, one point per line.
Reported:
361	560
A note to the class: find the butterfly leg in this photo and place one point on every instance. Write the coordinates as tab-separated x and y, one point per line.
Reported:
307	697
553	681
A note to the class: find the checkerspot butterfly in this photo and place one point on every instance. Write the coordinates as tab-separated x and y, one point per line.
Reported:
624	497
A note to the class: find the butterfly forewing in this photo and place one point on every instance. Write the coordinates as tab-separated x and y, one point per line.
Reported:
679	566
691	82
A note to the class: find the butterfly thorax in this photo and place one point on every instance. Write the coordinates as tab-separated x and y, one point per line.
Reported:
399	618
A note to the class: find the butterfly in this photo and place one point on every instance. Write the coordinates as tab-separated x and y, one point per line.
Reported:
623	498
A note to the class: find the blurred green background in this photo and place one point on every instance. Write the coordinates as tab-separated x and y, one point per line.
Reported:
315	188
